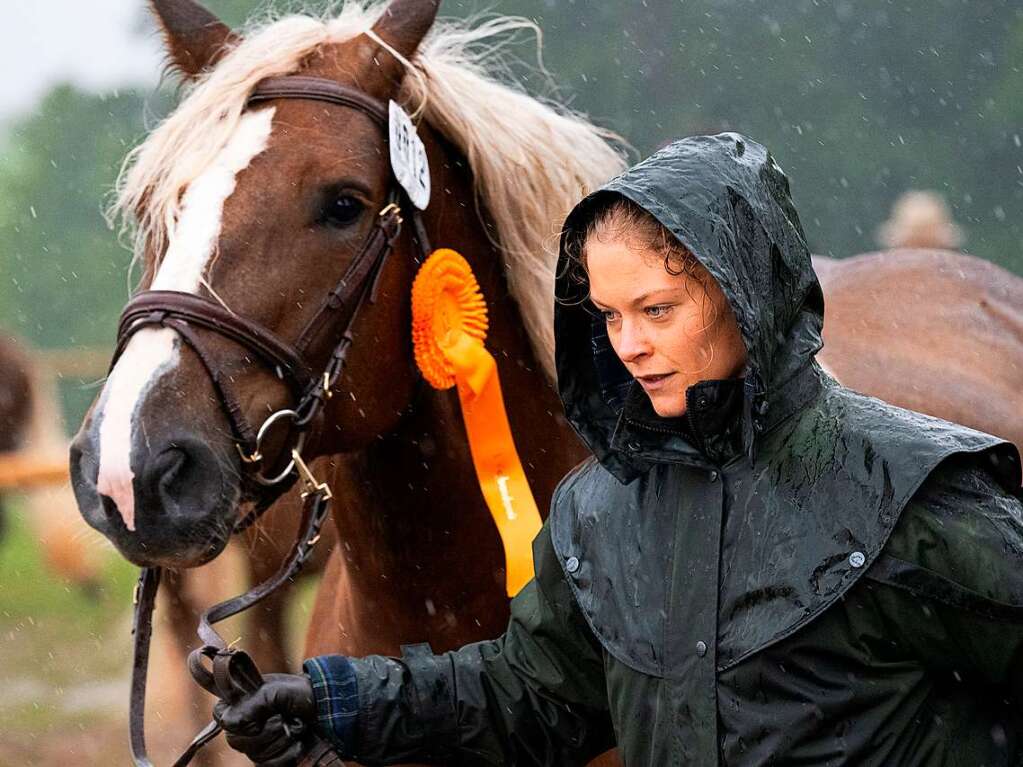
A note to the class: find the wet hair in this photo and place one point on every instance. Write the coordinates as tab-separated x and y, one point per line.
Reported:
619	219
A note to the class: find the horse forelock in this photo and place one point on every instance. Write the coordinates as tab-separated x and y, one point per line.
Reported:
531	160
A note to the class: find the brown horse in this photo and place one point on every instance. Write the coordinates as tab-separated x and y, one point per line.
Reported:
15	402
155	465
284	193
15	395
929	330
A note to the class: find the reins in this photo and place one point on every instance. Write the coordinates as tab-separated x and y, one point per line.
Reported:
231	673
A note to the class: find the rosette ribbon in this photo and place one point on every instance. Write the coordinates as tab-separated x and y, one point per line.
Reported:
449	327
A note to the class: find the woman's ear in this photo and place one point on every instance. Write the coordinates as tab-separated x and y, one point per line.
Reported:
195	39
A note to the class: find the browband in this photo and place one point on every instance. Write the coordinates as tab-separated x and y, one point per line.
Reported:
319	89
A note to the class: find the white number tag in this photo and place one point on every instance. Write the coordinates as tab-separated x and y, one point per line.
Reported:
408	157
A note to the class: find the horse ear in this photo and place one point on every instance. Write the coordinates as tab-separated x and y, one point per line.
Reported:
405	23
195	38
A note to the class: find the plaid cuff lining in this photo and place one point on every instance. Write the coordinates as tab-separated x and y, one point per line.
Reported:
337	700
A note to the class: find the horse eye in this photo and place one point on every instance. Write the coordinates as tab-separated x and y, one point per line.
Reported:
342	211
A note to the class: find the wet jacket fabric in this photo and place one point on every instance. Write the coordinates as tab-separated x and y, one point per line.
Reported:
793	574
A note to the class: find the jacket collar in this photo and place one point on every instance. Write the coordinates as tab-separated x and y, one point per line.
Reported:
710	434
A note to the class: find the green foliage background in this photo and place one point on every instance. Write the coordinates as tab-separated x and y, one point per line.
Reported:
858	101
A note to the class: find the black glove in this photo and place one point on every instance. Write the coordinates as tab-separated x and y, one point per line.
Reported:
271	725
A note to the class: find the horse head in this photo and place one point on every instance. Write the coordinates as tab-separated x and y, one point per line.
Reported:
258	208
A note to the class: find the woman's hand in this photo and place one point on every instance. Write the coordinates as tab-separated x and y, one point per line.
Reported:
270	725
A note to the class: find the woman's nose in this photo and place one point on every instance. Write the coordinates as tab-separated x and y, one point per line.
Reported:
632	342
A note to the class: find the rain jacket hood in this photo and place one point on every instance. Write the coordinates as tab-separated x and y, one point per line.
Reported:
727	201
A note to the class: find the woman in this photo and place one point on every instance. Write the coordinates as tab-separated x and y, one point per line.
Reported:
757	566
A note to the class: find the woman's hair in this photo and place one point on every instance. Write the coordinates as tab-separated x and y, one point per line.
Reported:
619	219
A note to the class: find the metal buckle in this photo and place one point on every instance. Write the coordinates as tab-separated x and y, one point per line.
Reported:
257	454
394	208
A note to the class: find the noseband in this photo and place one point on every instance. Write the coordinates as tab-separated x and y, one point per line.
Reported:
232	673
185	313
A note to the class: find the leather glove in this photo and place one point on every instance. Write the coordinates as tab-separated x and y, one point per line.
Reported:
271	725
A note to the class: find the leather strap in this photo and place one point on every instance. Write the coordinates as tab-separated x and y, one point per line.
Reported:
363	272
320	89
142	629
155	307
185	312
232	675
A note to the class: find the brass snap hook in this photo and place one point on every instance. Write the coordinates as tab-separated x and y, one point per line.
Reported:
310	482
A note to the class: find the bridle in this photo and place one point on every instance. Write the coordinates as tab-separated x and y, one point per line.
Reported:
231	673
186	312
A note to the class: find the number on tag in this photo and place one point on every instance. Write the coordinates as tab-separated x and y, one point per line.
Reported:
408	157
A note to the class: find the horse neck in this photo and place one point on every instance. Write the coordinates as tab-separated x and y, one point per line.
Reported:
420	526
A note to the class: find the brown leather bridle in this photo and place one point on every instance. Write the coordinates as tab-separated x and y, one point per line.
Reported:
232	673
186	312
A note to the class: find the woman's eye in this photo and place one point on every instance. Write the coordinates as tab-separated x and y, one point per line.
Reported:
608	315
658	312
343	211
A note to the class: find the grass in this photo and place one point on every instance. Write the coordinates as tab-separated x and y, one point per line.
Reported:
54	636
64	658
29	593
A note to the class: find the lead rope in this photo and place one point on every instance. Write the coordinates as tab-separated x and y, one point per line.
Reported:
232	674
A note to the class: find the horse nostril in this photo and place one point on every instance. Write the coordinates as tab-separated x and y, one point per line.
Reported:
170	468
109	507
180	483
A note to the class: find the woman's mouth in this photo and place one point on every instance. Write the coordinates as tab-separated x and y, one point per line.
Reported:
652	383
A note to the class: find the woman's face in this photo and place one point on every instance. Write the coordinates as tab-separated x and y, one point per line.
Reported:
670	331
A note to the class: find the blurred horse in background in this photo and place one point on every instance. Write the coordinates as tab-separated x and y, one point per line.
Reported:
930	330
920	219
15	405
33	466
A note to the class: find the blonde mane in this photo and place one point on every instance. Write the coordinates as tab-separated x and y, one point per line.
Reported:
531	160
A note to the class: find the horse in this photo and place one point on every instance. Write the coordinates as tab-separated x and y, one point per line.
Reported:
15	395
930	330
920	219
169	496
33	446
260	208
15	403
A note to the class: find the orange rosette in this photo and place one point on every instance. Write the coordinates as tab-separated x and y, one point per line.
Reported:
449	327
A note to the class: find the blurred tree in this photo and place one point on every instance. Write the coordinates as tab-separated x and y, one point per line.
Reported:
62	272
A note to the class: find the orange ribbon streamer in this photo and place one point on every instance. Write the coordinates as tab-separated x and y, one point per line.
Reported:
449	326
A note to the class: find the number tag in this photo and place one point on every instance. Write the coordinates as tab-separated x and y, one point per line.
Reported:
408	157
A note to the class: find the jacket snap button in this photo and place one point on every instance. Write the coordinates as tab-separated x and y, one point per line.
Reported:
856	559
701	648
572	564
701	402
633	446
